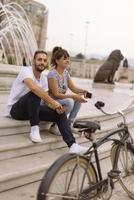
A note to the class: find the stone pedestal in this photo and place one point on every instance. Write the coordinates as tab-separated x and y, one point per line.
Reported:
7	76
103	85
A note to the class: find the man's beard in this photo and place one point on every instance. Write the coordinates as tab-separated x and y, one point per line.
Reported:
37	68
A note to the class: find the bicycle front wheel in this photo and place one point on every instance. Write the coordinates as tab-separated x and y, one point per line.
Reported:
69	178
126	167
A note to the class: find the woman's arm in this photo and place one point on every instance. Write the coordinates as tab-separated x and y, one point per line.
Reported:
53	86
74	88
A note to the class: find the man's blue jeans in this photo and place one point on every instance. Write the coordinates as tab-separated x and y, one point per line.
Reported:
28	108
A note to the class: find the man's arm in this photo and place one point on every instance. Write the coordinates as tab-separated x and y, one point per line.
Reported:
42	94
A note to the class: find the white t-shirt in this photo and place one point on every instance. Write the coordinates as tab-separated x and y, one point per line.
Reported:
19	89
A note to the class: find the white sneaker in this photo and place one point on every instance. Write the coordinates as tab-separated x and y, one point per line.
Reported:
35	135
76	148
54	130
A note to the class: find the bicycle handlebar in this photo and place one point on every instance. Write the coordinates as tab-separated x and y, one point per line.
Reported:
100	104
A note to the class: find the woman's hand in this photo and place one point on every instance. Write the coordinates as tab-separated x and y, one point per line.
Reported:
79	97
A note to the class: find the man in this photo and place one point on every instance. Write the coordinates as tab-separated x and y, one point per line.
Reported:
25	102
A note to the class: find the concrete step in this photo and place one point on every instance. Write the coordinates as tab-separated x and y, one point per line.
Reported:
15	142
19	144
29	191
22	162
3	101
27	169
10	126
23	170
30	168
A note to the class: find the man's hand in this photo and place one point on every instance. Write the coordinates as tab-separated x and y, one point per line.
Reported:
60	110
57	107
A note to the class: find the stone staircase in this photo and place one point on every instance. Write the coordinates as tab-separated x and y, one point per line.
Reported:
23	164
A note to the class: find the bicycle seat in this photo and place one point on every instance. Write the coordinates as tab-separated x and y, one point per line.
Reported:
87	125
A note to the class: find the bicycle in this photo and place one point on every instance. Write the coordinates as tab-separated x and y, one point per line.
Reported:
78	177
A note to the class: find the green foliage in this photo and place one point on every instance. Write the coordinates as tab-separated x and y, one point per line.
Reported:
11	60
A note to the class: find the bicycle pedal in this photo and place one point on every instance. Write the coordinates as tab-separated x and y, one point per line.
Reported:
114	173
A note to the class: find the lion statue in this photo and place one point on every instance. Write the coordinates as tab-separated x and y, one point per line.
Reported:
106	72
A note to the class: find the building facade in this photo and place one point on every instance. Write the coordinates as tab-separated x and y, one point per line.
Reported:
87	69
84	68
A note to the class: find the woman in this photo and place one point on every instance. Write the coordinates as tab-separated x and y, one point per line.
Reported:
59	81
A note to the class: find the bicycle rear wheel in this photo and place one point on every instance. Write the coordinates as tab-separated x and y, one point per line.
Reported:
126	167
68	178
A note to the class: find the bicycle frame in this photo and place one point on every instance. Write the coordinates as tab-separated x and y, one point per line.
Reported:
125	140
94	148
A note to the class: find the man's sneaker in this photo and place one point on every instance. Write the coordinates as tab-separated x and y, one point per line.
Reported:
76	148
35	134
35	137
54	130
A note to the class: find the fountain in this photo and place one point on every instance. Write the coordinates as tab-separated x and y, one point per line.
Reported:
17	40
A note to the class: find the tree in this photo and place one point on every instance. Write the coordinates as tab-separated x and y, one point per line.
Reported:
80	56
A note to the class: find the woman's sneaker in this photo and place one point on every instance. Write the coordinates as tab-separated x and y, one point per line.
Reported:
76	148
54	130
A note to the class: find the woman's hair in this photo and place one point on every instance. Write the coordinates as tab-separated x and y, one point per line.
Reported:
57	53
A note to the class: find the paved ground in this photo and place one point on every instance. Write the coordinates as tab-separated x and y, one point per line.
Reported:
115	99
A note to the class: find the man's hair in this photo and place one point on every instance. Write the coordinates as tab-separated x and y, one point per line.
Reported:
39	51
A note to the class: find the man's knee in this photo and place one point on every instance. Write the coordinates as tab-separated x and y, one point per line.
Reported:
61	117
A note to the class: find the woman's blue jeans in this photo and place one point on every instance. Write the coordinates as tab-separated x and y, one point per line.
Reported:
72	108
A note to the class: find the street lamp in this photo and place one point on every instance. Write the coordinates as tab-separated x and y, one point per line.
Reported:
85	48
86	38
71	42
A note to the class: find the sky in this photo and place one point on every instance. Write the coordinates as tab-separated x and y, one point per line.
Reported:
91	27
